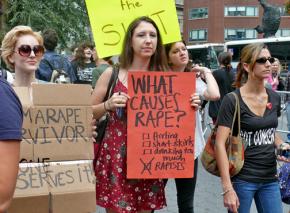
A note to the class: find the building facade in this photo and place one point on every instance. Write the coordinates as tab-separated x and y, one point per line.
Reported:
180	14
218	21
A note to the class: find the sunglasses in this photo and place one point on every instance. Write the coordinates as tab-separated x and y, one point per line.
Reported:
25	50
263	60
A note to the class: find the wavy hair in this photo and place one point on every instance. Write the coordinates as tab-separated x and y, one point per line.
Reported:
10	40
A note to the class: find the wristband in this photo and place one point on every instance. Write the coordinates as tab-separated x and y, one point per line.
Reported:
105	107
282	144
225	192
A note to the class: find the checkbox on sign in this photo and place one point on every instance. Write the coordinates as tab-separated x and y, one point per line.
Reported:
147	151
146	143
146	136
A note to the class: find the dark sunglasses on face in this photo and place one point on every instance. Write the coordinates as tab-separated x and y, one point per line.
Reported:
25	50
263	60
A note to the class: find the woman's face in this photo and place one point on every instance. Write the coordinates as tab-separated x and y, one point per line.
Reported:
88	53
144	40
27	54
178	54
275	67
262	68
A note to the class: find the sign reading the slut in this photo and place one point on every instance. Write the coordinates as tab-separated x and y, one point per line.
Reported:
110	19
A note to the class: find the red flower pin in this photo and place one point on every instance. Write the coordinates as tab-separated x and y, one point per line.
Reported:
269	105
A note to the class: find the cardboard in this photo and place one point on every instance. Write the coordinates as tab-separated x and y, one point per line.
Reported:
53	94
67	186
31	194
162	125
57	122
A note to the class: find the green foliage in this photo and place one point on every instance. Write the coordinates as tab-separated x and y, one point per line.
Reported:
68	17
287	7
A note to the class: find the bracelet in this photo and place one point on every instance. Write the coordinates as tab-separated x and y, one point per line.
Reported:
105	107
282	145
225	192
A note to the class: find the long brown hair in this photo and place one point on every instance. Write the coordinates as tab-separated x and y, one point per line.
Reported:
158	60
80	55
167	50
225	59
249	55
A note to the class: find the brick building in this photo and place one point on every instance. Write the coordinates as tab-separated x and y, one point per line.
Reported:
217	21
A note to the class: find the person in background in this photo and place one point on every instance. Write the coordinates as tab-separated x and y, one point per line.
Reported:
178	60
225	78
83	63
259	111
52	60
276	70
272	81
142	50
11	118
73	50
22	50
102	64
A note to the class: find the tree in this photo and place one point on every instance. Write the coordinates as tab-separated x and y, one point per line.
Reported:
68	17
287	7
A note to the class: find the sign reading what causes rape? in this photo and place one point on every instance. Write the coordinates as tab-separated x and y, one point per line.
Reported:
161	125
110	19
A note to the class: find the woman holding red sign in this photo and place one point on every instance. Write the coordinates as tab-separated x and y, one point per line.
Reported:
178	60
143	51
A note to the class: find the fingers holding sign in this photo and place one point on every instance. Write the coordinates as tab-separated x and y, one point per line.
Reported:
118	99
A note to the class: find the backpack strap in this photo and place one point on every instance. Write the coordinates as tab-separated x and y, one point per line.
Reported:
48	63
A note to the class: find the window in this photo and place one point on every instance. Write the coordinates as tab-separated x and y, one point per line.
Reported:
282	33
196	13
198	35
283	12
238	34
241	11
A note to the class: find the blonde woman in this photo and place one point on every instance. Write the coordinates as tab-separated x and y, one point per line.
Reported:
22	50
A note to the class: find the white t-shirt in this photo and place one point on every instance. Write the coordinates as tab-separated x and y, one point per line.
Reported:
199	139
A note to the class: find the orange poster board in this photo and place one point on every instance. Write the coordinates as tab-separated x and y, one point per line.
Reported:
161	125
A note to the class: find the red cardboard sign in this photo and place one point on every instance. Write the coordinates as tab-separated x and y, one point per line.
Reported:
161	125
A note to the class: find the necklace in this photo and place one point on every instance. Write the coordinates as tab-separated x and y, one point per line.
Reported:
261	100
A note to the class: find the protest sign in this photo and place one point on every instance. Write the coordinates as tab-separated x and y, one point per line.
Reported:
109	21
161	125
67	186
57	122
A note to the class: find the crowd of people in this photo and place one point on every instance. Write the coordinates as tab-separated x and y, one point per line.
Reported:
33	59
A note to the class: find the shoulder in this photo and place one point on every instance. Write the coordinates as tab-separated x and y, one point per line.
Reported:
230	97
8	97
5	88
272	93
11	116
106	75
274	97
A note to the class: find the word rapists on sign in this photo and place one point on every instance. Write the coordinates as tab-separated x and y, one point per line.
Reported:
161	127
109	30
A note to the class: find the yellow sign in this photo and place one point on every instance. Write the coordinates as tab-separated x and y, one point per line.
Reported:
110	18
